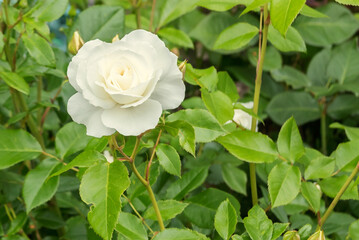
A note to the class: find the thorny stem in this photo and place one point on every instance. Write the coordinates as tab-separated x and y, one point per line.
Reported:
152	156
265	20
146	184
338	196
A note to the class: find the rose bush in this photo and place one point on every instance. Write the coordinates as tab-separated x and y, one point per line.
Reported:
124	86
242	118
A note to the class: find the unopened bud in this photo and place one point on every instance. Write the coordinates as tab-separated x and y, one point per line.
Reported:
182	67
175	51
291	235
76	43
318	235
115	38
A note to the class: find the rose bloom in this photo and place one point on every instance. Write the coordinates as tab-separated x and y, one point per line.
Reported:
124	86
242	118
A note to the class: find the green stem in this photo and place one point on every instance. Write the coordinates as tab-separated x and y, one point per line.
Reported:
338	196
146	184
323	126
258	82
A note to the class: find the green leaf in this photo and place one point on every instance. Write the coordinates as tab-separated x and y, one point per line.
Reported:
324	32
351	132
173	9
272	60
320	167
348	2
283	184
218	5
225	220
312	194
257	224
168	208
301	105
102	22
76	228
49	10
17	146
84	159
311	12
283	13
278	229
131	227
343	106
235	178
219	104
291	77
292	42
186	134
169	159
37	189
176	37
189	181
39	49
254	5
229	41
344	61
331	186
17	224
204	205
179	234
102	186
290	144
354	230
250	146
305	231
206	127
226	85
317	69
347	155
211	26
15	81
70	139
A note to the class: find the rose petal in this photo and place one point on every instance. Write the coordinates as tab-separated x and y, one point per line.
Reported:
83	112
135	120
170	91
76	60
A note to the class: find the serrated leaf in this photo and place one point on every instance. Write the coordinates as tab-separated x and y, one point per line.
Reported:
250	146
311	12
292	42
185	133
218	5
17	146
351	132
229	41
331	186
102	22
226	85
354	230
272	60
320	167
312	194
179	234
15	81
37	189
219	104
84	159
187	183
254	5
102	186
173	9
206	127
283	184
348	2
283	13
235	178
291	77
131	227
168	209
278	229
70	139
39	49
169	159
257	224
290	144
49	10
347	155
176	37
225	220
17	223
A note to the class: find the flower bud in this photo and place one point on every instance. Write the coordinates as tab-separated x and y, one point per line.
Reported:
76	43
182	67
291	235
318	235
115	38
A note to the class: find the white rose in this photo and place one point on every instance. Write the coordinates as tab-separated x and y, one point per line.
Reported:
125	85
108	156
242	118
